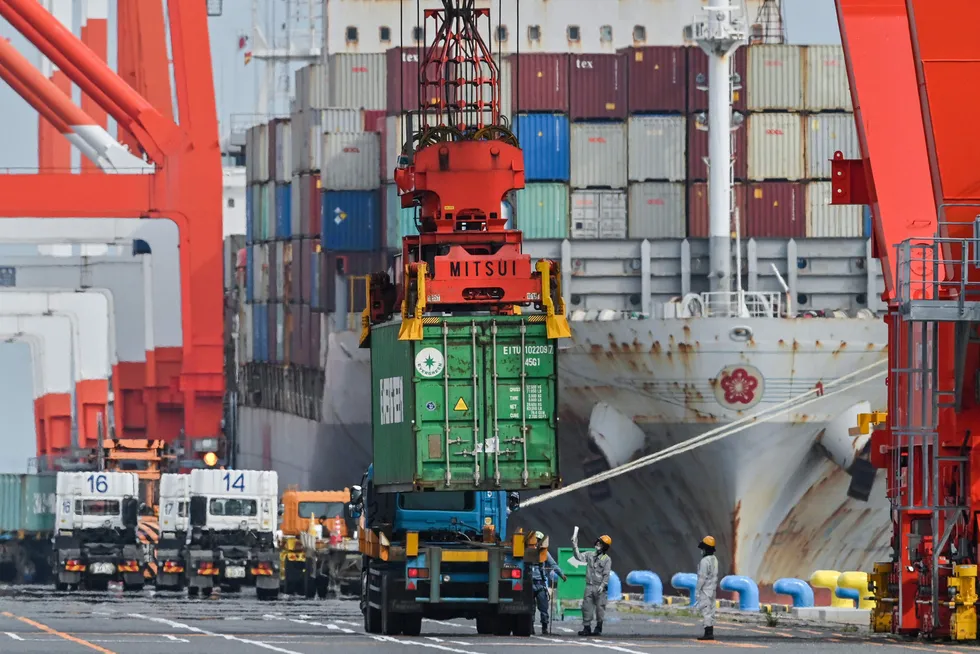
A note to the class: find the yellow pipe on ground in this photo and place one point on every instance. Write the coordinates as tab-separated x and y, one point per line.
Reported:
828	579
859	582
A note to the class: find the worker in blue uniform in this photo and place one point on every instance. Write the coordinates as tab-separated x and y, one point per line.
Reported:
541	575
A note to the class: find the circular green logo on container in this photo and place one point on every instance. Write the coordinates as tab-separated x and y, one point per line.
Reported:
429	362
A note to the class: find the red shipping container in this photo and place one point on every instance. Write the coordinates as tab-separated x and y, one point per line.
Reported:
597	86
697	150
698	218
313	340
273	292
656	79
775	210
697	62
299	270
349	264
307	251
374	119
539	82
311	193
403	81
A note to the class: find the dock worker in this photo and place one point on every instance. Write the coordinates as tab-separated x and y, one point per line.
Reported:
704	592
598	565
541	574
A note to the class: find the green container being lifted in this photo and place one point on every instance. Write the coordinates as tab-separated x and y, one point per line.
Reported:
471	406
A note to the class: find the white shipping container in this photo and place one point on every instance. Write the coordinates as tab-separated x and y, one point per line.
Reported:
826	134
657	210
280	272
284	146
308	130
825	220
598	155
598	214
280	333
358	81
260	273
657	148
827	88
351	161
775	78
775	147
310	88
257	154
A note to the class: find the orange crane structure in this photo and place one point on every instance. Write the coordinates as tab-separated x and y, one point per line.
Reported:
910	74
178	396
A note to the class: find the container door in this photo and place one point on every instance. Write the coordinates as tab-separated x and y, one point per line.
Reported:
448	398
520	369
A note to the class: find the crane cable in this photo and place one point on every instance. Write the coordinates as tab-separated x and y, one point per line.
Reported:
718	433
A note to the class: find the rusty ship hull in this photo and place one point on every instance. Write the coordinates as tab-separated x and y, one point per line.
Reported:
774	495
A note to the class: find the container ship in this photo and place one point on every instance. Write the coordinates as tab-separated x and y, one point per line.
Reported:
612	122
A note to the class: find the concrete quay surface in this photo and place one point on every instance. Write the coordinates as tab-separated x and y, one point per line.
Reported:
39	620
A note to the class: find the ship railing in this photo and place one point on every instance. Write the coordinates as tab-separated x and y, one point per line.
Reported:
728	304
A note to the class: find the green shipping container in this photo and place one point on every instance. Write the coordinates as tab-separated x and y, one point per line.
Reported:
451	398
27	503
542	211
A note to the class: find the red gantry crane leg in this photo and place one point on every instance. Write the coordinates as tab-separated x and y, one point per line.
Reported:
914	65
185	188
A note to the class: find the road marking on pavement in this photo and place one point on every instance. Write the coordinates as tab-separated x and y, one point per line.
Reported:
587	643
14	636
328	625
420	643
54	632
181	625
175	639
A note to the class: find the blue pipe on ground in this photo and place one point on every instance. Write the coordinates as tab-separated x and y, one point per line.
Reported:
798	589
748	591
614	592
685	581
653	588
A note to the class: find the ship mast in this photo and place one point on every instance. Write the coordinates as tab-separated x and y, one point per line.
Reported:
719	33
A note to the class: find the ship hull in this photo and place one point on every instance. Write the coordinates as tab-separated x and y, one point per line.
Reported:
770	495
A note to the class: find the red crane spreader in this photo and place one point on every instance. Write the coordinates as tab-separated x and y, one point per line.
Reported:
457	169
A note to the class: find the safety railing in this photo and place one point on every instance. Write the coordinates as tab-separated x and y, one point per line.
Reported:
747	304
938	278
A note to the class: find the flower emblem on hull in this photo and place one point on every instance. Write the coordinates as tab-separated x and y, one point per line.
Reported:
739	387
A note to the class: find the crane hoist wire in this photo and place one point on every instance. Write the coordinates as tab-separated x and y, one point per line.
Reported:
719	433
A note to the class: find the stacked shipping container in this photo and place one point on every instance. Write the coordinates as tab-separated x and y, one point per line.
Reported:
614	146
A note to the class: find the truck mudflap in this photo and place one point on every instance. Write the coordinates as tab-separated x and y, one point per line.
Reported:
265	570
202	570
171	567
70	566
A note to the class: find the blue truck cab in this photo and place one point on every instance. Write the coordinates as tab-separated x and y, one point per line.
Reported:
442	555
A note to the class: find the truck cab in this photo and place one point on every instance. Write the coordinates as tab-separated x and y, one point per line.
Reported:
174	524
232	520
95	538
316	560
442	555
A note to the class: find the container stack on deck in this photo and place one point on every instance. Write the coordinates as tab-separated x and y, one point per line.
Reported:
612	149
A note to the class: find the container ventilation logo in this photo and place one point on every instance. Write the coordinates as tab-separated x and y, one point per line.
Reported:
392	403
429	362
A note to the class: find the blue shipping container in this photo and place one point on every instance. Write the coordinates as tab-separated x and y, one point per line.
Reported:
249	275
351	221
545	141
284	205
315	280
260	332
249	232
867	222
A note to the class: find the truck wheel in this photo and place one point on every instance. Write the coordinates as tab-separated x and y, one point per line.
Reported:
503	625
391	622
485	624
60	587
193	591
524	625
132	587
372	620
412	624
323	587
